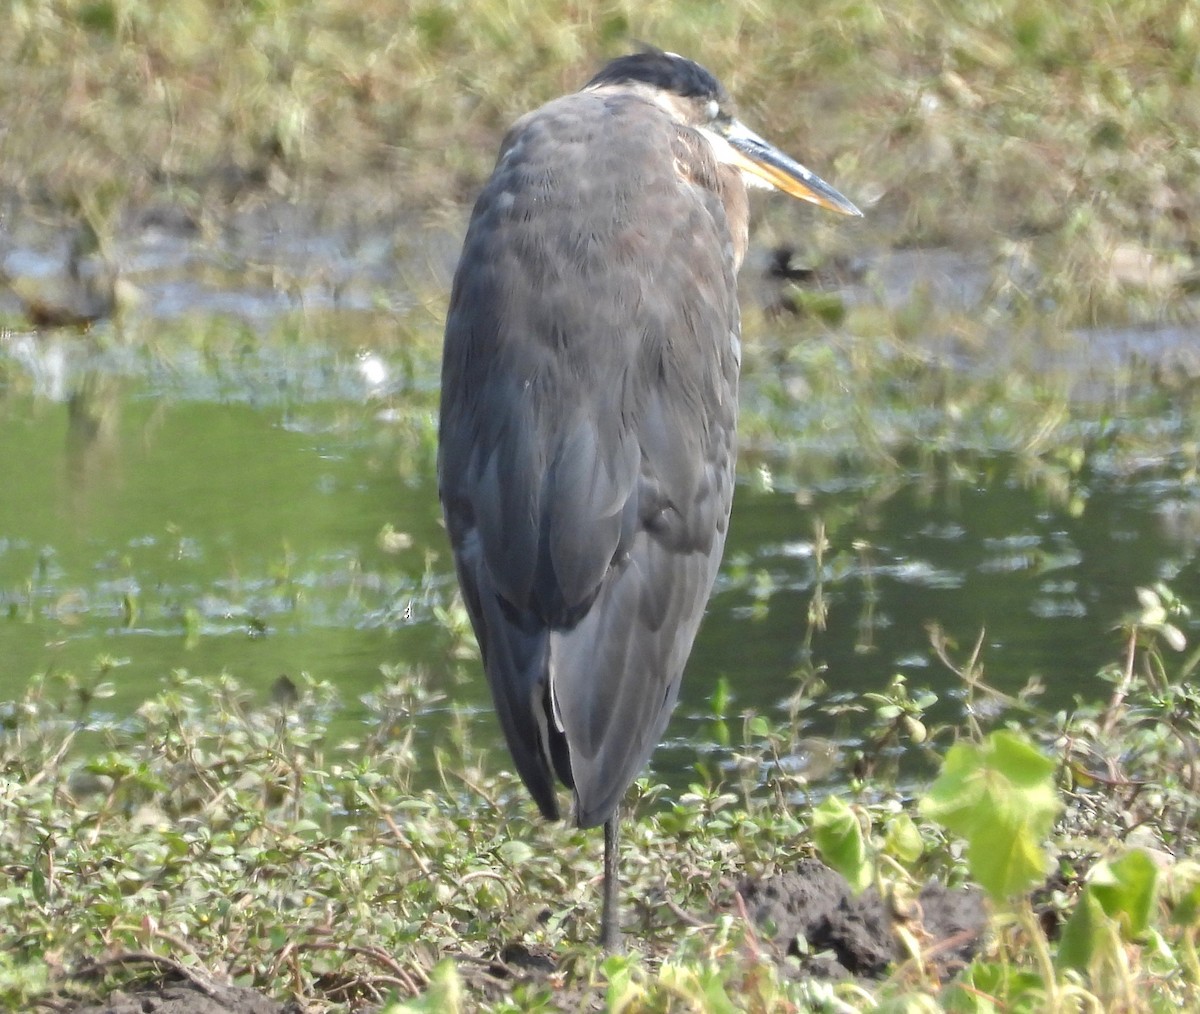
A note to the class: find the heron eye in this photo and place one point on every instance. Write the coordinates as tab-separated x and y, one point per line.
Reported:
712	110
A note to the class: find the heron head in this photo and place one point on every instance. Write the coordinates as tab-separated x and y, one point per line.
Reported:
693	97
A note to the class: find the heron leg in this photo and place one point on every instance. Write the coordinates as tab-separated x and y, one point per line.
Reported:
610	916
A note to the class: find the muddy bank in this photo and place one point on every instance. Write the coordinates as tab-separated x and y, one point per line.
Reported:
259	258
188	998
810	913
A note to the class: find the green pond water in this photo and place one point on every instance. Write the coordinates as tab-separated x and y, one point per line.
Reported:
273	513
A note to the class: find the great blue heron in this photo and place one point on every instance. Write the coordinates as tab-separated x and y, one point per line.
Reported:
589	402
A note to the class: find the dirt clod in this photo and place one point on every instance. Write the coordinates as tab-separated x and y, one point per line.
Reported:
848	935
186	998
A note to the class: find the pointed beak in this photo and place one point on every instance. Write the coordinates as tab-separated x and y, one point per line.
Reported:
752	154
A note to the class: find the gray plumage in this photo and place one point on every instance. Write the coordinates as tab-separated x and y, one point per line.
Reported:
587	437
589	405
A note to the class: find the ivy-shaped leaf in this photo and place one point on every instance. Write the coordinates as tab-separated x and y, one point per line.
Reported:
1000	796
839	838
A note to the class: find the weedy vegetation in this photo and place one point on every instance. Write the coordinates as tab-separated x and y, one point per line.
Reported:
233	839
216	836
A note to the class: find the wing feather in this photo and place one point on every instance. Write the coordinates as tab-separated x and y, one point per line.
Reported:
587	436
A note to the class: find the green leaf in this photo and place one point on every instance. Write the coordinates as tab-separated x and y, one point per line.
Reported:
839	838
624	990
1000	796
38	883
720	732
720	698
515	852
989	987
828	307
902	839
1185	895
924	698
759	727
1087	933
1127	889
1117	903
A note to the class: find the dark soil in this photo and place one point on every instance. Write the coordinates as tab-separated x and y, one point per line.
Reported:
846	935
187	998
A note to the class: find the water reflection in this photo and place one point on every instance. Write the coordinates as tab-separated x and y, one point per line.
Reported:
266	518
93	453
1047	585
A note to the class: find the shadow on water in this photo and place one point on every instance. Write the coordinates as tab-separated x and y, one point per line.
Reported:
248	515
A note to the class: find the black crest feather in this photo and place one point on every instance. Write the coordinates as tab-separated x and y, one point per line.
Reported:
671	73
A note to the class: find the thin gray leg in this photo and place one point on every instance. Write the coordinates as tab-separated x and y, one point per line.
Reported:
610	916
